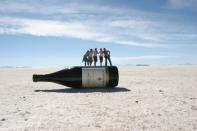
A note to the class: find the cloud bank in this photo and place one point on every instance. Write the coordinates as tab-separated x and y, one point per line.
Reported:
104	24
183	4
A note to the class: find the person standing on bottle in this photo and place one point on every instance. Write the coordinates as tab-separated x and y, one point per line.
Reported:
107	56
95	52
101	54
85	58
90	57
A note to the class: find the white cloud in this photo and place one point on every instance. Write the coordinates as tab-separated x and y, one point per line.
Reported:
50	7
132	24
46	28
89	22
180	4
81	30
152	57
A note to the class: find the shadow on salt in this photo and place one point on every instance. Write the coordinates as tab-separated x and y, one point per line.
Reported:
86	90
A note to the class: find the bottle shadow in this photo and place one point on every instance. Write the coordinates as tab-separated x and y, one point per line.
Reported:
86	90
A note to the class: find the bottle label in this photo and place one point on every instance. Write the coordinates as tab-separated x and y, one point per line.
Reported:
94	77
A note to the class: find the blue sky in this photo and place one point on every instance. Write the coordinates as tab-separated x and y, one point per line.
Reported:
58	32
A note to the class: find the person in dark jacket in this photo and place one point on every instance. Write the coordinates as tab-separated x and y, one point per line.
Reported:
107	56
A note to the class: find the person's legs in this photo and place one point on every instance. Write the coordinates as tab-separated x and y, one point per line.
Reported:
105	61
91	62
101	60
109	59
87	61
95	60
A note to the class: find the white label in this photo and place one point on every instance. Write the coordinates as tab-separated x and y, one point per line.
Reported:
94	77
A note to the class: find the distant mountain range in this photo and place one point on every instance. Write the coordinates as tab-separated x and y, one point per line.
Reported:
8	67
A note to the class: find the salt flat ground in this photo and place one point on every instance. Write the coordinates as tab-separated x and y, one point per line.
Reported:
147	98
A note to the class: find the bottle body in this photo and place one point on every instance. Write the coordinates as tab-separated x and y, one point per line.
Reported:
83	77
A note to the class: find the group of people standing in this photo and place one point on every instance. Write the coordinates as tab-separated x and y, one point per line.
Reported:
91	56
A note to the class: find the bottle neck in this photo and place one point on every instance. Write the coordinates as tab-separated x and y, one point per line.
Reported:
37	78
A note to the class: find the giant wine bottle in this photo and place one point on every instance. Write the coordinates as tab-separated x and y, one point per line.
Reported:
82	77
